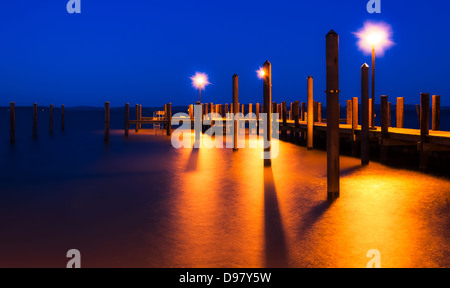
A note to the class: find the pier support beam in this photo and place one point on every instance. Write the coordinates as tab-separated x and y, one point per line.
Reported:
235	110
198	122
400	121
349	112
267	92
302	111
137	117
107	119
12	121
332	72
424	129
365	150
310	120
436	113
295	113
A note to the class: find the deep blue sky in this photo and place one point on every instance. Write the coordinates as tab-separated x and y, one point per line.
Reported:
145	51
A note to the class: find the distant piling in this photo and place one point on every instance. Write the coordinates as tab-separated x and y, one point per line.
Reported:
235	109
198	122
12	121
319	112
424	129
107	119
302	111
137	118
349	112
296	115
284	119
332	76
257	109
400	121
51	119
436	113
310	114
365	150
35	108
267	92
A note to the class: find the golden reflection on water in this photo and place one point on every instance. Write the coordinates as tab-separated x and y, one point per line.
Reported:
232	212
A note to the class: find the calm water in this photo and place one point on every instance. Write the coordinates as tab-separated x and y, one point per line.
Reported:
141	203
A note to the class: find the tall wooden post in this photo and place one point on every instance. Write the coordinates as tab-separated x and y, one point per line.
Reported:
198	122
107	118
127	119
236	109
62	118
267	92
35	108
226	109
424	128
310	122
169	119
51	119
12	121
332	63
400	121
365	150
436	113
371	124
384	128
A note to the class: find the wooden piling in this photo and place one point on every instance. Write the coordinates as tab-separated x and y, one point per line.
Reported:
424	129
400	121
332	76
257	118
365	150
169	119
310	120
319	112
302	111
436	113
226	109
12	121
284	119
198	120
316	111
355	122
140	116
127	119
137	117
296	115
62	118
274	107
51	119
35	108
371	124
355	113
349	112
107	118
236	109
267	92
389	114
384	128
418	114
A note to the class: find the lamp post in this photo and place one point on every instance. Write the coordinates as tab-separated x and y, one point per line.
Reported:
374	36
200	80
